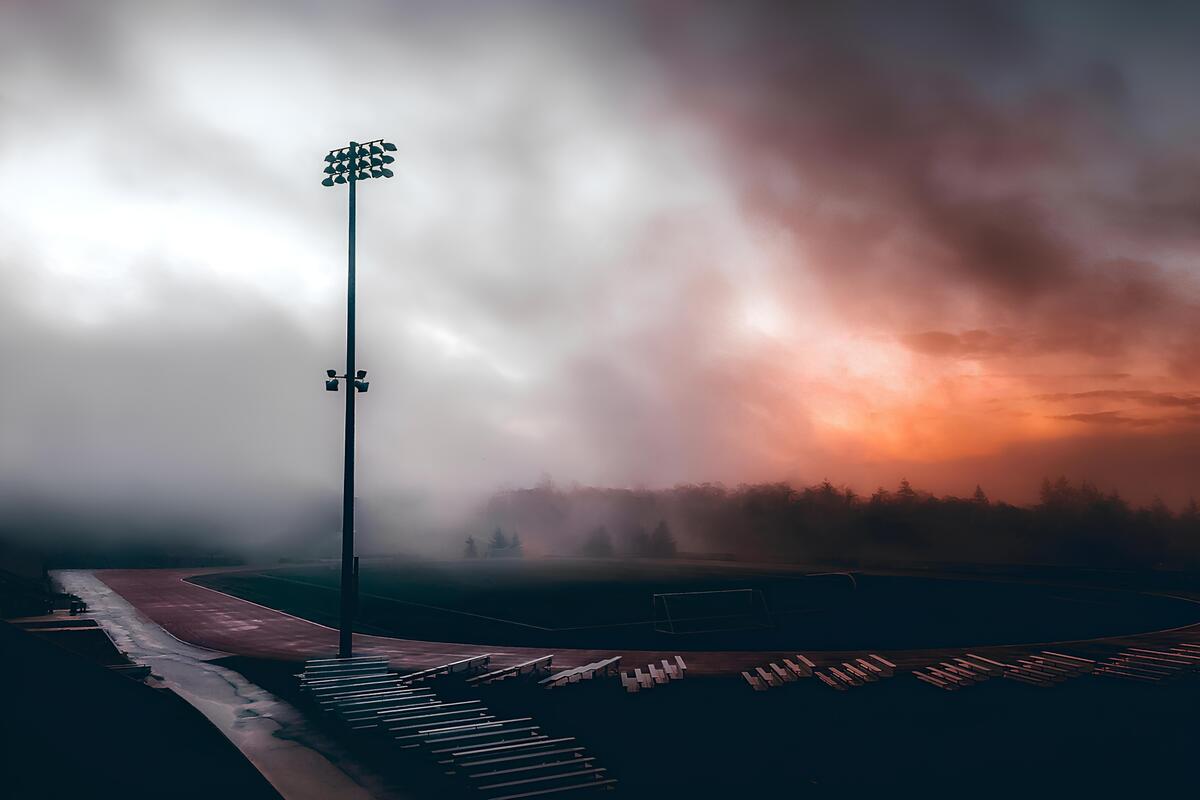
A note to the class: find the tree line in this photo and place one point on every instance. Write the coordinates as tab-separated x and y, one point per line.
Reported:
1072	524
498	546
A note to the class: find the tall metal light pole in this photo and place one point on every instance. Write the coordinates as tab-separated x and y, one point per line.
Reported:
350	165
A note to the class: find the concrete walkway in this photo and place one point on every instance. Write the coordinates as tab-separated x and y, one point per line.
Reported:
300	762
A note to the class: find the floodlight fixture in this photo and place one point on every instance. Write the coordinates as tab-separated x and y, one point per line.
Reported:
331	385
331	373
361	385
362	373
359	162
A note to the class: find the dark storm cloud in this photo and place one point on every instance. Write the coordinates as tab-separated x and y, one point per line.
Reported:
1108	418
964	142
827	91
1161	399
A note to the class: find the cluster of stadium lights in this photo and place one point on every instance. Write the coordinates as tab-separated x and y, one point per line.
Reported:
359	162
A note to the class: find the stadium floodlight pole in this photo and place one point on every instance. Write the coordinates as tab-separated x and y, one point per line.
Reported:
350	165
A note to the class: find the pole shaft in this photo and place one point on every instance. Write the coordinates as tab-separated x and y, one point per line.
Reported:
346	635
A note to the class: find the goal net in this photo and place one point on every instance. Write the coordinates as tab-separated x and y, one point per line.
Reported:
712	611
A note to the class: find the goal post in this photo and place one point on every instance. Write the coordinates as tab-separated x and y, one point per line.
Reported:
711	611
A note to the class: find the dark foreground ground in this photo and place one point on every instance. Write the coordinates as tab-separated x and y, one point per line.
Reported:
575	603
713	737
70	728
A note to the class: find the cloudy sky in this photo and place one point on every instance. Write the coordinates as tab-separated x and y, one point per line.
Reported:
626	244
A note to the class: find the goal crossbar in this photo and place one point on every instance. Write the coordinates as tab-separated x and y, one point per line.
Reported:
710	611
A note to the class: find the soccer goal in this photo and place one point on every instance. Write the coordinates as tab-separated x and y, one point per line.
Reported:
710	612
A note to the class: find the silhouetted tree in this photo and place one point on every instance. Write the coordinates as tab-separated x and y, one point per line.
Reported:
498	544
470	550
905	494
514	547
979	497
662	544
598	544
1191	511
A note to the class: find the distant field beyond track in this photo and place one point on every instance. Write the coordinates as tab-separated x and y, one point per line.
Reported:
607	604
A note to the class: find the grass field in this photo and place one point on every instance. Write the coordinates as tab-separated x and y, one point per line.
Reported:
608	604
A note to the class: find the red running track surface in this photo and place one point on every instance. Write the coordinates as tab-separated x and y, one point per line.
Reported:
228	624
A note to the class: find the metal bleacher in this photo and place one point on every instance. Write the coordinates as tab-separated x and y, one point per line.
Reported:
498	757
839	676
1050	668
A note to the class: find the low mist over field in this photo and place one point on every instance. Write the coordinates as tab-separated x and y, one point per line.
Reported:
632	246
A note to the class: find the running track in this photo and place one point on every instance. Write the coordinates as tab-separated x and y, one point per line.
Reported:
228	624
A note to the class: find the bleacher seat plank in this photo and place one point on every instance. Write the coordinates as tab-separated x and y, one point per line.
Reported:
1178	663
341	660
885	666
570	761
450	729
797	670
975	670
1125	675
532	666
525	757
530	736
843	677
965	674
1072	668
755	683
868	667
1134	666
865	677
933	681
830	682
1191	658
470	664
381	700
1053	670
485	749
767	678
947	677
682	666
408	711
1085	663
348	700
543	778
987	662
478	716
784	675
